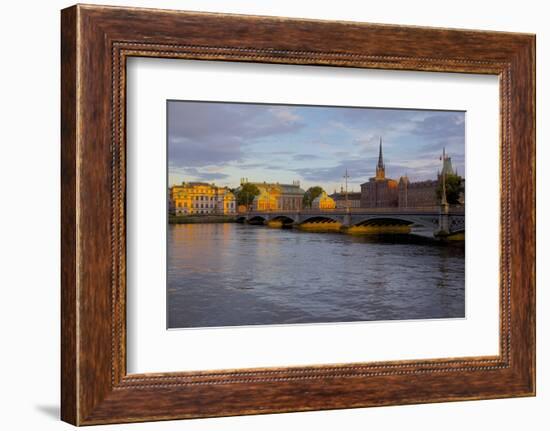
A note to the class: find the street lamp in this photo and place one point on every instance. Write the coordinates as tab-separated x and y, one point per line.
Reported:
346	176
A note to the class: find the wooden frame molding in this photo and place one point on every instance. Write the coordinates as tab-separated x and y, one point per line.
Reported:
95	43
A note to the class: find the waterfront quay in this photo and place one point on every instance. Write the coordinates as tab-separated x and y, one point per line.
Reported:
194	219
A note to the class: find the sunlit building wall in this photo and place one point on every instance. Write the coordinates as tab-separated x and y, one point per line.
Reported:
275	196
266	201
194	198
323	202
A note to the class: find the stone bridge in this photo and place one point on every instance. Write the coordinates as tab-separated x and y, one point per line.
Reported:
427	220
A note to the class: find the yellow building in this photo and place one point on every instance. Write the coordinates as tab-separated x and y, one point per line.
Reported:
267	200
324	202
201	198
275	196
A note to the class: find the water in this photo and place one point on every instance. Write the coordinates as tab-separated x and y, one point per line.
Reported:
231	274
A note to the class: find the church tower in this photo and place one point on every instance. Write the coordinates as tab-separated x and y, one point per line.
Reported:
447	165
380	168
379	191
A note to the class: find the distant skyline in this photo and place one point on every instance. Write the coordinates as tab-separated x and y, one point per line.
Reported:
224	142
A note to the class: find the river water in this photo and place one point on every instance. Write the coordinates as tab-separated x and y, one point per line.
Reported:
232	274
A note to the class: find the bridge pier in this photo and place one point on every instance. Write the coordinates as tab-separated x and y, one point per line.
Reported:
346	220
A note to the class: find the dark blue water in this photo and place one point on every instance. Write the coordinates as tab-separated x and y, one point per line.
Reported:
232	274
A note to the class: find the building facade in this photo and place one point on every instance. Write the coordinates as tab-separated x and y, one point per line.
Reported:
418	194
323	202
267	200
275	196
197	198
353	199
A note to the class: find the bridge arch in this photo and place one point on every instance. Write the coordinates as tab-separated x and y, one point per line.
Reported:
384	221
257	219
320	219
284	219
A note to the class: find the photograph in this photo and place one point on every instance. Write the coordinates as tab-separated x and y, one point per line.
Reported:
284	214
251	215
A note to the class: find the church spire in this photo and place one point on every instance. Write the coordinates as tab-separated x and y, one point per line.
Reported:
380	168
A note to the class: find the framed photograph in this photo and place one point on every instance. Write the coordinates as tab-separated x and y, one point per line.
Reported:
263	214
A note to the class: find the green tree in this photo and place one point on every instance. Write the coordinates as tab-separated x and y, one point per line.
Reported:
454	186
246	194
310	195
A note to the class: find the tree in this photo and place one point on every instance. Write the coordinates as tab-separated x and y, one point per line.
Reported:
310	195
454	186
246	194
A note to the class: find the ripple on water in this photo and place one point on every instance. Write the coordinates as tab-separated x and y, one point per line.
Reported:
230	274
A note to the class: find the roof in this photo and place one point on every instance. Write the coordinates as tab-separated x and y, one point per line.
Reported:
291	188
196	183
284	188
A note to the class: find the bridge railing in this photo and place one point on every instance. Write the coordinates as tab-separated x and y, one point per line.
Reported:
459	210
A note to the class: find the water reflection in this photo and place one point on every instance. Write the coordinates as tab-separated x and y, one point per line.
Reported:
231	274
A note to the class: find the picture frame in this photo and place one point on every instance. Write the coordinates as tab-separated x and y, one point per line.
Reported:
96	41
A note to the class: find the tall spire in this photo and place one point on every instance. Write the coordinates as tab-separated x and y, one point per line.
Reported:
380	168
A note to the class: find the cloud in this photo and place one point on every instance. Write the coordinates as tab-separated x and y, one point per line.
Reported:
285	114
202	134
359	169
367	126
305	157
440	126
200	175
340	153
452	145
379	122
186	152
250	165
222	141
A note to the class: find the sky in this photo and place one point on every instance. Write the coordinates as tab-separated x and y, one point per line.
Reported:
221	143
